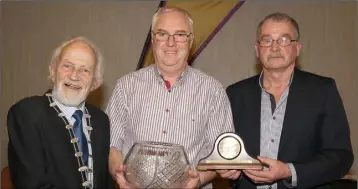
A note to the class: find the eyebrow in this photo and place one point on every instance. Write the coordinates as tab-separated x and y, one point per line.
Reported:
67	61
176	31
284	35
81	66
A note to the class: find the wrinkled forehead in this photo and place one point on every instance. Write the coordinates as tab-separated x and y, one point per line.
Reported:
272	28
78	48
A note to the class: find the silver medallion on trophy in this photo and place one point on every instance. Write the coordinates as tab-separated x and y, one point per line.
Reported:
156	165
229	153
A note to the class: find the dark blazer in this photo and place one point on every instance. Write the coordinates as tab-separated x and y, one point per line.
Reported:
315	135
40	152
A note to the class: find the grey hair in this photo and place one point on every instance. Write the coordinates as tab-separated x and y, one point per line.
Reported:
173	9
279	17
99	67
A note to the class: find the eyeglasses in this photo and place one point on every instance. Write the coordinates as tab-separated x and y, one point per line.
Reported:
178	37
282	41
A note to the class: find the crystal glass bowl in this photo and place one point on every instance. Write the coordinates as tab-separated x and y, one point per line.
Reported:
156	165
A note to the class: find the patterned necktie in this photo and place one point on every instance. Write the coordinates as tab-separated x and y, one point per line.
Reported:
82	141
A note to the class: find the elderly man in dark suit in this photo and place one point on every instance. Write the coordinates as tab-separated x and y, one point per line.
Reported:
294	121
57	140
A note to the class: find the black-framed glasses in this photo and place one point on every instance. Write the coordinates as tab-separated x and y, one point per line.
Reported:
282	41
178	37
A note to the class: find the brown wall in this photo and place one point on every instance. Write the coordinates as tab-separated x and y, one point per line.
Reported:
3	138
31	30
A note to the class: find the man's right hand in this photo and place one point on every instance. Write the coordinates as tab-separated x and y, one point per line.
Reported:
118	175
117	168
229	174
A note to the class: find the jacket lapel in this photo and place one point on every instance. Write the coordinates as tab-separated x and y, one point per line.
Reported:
94	142
292	113
60	145
254	101
58	132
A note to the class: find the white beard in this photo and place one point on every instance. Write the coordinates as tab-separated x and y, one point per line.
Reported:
69	98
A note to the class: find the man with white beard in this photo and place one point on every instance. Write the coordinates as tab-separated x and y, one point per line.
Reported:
57	140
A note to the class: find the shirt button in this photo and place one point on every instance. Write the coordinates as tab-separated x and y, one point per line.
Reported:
274	118
272	140
167	110
164	132
270	187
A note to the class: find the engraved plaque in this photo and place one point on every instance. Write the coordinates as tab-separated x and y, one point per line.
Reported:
229	153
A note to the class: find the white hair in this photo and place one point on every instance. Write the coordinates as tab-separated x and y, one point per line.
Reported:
99	66
173	9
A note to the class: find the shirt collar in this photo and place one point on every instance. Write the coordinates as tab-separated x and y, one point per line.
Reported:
182	76
261	79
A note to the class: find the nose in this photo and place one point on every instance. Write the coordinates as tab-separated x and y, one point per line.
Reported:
74	75
171	41
274	45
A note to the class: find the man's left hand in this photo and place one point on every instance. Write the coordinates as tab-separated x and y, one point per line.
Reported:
276	170
193	181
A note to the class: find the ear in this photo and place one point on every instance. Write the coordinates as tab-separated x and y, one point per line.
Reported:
152	38
298	48
257	50
52	71
94	86
191	40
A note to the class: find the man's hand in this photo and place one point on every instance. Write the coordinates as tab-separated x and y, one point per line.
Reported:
229	174
193	181
118	175
277	170
116	168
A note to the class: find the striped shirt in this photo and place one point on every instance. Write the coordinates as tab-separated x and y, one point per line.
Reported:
68	112
272	117
193	113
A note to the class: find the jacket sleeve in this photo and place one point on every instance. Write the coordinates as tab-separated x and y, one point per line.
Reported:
25	150
335	156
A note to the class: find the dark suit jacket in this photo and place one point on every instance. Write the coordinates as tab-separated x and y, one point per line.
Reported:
315	135
40	152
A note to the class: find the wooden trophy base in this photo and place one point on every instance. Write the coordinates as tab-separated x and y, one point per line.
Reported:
228	166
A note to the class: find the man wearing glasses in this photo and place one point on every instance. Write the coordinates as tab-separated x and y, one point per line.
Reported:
169	101
293	121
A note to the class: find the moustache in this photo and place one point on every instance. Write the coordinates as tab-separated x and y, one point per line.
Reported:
71	83
275	56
